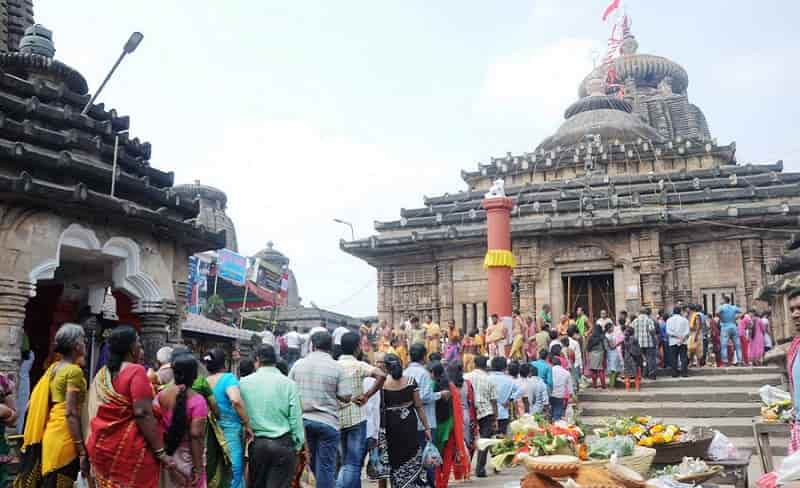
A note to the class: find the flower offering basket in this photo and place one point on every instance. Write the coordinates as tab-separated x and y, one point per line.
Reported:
696	446
640	461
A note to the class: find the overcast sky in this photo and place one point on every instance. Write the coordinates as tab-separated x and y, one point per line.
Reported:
303	111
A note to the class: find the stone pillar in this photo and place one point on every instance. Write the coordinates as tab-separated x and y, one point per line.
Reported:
385	292
752	259
680	256
499	267
471	317
181	299
650	270
156	318
669	275
91	328
527	292
444	271
14	295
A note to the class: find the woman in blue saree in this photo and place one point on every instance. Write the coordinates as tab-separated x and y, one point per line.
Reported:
233	418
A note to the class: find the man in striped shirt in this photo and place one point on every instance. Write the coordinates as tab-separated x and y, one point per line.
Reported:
322	383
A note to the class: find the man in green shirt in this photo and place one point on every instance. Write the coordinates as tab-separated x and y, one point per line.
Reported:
276	417
581	321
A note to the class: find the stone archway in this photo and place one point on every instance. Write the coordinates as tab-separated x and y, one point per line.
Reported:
123	256
124	253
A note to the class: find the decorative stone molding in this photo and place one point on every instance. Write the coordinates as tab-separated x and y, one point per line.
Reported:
155	317
126	272
14	295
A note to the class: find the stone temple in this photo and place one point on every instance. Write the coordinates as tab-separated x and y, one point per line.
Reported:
632	201
70	249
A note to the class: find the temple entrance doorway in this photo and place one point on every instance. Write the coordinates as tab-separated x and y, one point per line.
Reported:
593	291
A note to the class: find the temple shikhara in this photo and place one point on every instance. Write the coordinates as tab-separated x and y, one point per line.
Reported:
631	202
71	248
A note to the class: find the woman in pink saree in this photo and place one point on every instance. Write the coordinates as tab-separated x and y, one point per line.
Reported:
757	341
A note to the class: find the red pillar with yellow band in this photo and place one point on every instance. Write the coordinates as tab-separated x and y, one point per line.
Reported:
499	261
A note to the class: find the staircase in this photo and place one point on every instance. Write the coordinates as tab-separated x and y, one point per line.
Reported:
725	399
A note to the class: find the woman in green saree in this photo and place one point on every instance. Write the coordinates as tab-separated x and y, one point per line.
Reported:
218	460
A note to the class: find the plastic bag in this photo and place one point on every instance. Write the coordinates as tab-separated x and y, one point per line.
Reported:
569	414
722	448
430	456
790	469
772	394
81	482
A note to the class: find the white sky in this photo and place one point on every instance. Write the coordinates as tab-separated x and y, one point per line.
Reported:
304	111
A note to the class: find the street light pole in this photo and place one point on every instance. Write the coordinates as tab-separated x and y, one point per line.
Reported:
344	222
129	47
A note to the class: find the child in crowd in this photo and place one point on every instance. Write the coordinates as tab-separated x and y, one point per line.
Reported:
632	359
613	354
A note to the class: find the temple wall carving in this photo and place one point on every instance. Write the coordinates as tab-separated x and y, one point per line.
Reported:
650	267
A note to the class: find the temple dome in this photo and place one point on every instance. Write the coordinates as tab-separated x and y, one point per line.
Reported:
597	103
272	255
602	115
611	125
646	70
213	203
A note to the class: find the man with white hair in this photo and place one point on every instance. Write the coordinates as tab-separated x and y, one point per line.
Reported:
164	360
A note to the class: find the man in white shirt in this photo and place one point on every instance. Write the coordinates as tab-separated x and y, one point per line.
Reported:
293	342
338	333
337	340
678	332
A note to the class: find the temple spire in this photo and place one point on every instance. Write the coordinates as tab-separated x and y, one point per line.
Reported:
16	16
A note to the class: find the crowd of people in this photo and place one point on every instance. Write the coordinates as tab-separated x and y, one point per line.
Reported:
329	403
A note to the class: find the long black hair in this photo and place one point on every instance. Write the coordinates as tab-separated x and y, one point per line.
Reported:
120	344
455	371
185	368
393	365
596	337
214	360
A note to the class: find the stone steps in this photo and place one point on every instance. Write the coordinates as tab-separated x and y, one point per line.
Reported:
705	381
730	426
734	370
670	409
651	393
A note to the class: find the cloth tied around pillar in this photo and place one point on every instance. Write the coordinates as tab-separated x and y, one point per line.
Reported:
499	258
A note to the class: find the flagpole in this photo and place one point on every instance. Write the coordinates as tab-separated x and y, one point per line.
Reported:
244	303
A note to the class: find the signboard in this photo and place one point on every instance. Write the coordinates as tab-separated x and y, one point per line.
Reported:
232	267
266	275
193	305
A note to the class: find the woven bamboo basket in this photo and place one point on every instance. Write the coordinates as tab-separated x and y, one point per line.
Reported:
640	461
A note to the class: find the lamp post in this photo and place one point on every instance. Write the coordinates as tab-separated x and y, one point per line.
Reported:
129	47
114	164
344	222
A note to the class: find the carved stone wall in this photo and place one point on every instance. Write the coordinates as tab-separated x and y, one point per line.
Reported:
445	289
683	276
752	261
156	318
645	246
14	295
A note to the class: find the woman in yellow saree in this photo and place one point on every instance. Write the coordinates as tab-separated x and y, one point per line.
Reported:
53	446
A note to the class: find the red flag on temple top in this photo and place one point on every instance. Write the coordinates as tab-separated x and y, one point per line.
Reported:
611	7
